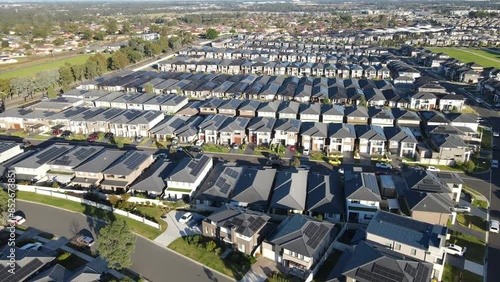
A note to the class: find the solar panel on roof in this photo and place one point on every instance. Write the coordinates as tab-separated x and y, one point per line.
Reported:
410	270
240	229
21	272
402	221
387	272
422	273
225	188
237	221
310	230
220	182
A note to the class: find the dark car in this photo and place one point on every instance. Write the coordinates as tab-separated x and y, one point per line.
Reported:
274	164
93	137
66	133
109	135
273	157
196	149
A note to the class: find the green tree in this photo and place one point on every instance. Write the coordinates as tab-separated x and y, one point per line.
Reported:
126	28
469	166
41	31
118	60
87	34
211	33
148	88
295	162
232	31
100	36
78	72
58	41
27	46
51	92
362	101
5	44
66	75
90	69
4	88
4	207
116	243
102	63
111	26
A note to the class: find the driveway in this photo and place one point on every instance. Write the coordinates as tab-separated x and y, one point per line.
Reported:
175	229
289	154
249	149
348	157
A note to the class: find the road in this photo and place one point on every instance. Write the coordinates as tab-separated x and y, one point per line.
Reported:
149	259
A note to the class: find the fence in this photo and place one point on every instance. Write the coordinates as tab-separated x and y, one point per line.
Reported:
59	193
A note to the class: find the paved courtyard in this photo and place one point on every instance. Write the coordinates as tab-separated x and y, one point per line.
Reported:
175	229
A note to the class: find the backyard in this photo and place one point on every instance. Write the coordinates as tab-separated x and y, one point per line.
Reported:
452	274
207	252
466	55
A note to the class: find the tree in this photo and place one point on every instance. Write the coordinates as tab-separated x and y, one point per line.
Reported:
78	72
51	92
111	26
126	28
22	86
5	44
469	166
232	31
40	32
362	101
118	61
116	243
58	41
295	162
102	63
87	34
90	69
212	33
65	75
148	88
100	36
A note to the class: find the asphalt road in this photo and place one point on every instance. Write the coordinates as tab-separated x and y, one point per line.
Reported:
149	259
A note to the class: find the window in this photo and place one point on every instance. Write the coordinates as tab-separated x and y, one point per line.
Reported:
354	202
206	229
388	245
398	247
413	252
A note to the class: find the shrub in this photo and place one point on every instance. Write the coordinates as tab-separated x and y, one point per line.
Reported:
468	166
210	246
295	162
147	203
63	256
126	197
217	251
55	184
114	200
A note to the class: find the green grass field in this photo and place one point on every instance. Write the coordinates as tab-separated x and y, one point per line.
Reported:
33	70
466	55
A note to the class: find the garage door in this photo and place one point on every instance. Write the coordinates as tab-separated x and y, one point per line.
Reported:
347	148
363	149
237	140
269	254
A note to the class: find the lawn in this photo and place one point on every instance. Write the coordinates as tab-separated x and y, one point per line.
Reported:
486	139
443	167
41	137
475	195
20	134
476	223
195	247
50	65
475	247
120	141
77	137
215	148
317	156
467	55
136	226
452	274
154	213
327	266
70	261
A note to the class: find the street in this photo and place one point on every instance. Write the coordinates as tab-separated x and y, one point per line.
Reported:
149	259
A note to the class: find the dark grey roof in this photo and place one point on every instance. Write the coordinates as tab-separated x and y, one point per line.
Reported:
234	124
146	117
153	178
7	145
423	95
246	222
231	104
370	132
86	115
399	134
190	127
128	163
290	189
169	125
302	234
126	117
288	107
374	112
26	263
447	141
341	130
270	107
261	124
402	114
254	187
288	125
213	122
462	118
110	97
219	188
189	169
362	186
422	180
44	156
75	157
407	230
314	129
354	111
428	202
324	194
106	115
310	109
430	116
336	110
249	105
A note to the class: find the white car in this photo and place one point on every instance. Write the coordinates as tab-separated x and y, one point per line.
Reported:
306	167
455	250
199	142
180	149
34	246
494	163
462	209
87	241
305	152
341	170
185	217
17	220
494	226
479	101
432	168
383	165
496	134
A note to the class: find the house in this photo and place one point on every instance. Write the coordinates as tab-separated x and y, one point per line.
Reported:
90	172
401	141
118	125
233	131
405	118
313	135
208	130
286	110
190	109
461	120
325	197
59	273
260	130
432	118
451	102
35	167
120	174
332	113
269	109
9	150
423	101
229	107
412	238
62	168
188	132
248	108
26	264
216	189
173	104
342	137
105	101
286	131
370	263
244	230
362	196
299	243
371	139
450	147
310	112
356	115
142	124
380	116
153	180
165	130
289	192
187	176
210	106
253	188
101	121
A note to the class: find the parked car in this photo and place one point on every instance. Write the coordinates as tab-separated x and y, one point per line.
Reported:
273	157
86	240
92	138
109	136
274	164
44	98
138	138
292	148
34	246
334	161
175	141
306	167
199	142
17	220
494	226
341	170
494	163
235	146
57	132
305	152
432	168
185	217
462	209
383	165
180	149
196	149
66	133
455	250
496	134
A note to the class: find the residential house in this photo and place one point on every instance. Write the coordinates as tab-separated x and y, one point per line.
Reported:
119	124
461	120
362	196
233	131
229	107
260	130
187	176
286	110
105	101
210	106
380	116
332	113
405	118
371	139
165	129
342	137
208	130
269	109
289	192
432	118
401	141
450	147
423	101
451	102
248	109
286	131
9	150
120	174
101	121
90	172
310	112
62	168
356	115
325	197
253	188
153	180
244	230
313	135
216	189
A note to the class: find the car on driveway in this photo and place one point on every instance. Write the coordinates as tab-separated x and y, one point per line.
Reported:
235	146
199	142
34	246
383	165
455	250
57	132
138	138
185	218
496	134
66	133
273	157
305	152
494	226
109	136
494	163
85	240
292	148
196	149
462	209
17	220
432	168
